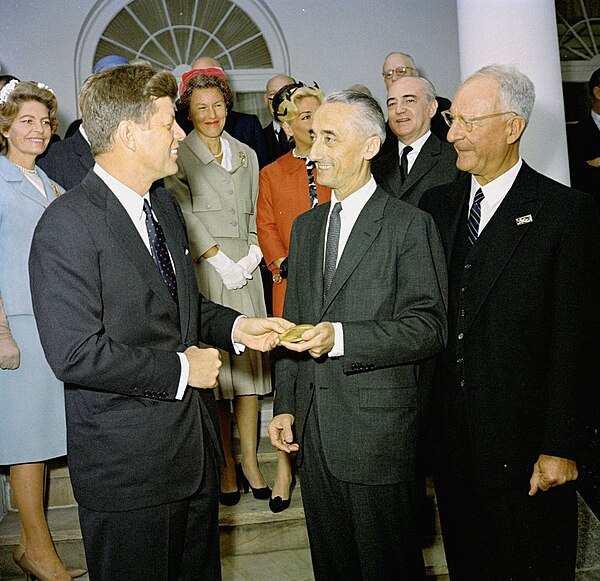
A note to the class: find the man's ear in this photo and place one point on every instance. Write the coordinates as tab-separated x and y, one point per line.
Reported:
372	147
433	107
126	134
516	126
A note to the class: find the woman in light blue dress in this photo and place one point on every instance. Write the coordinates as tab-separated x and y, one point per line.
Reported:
32	413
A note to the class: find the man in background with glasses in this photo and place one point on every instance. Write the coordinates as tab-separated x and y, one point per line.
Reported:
524	278
396	66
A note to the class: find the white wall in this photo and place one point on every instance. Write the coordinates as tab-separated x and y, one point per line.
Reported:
337	44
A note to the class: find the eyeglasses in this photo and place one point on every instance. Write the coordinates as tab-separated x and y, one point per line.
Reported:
468	123
400	72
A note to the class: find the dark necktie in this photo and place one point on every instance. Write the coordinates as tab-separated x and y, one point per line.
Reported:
404	162
331	247
312	188
158	249
475	217
283	140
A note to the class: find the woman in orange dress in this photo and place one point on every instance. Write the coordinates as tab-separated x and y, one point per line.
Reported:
287	188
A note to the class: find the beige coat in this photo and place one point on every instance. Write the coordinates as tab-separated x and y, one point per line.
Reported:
219	207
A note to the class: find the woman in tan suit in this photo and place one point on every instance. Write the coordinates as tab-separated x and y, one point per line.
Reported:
216	185
287	188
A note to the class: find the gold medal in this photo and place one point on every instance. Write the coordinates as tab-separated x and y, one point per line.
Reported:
294	334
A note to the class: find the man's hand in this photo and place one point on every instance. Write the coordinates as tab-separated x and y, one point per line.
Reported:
280	432
317	341
551	471
260	334
204	367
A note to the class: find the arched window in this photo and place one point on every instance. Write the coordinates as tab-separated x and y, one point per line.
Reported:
243	35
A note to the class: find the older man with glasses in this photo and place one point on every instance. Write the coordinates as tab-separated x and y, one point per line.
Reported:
398	65
524	278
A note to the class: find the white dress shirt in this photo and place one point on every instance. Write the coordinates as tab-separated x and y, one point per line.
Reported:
494	192
416	145
352	206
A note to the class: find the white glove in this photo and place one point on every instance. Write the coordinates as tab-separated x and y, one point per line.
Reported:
251	261
232	274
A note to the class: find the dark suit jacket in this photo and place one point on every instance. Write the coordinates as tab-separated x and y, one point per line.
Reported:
273	149
388	292
435	165
111	331
584	144
243	126
69	161
528	318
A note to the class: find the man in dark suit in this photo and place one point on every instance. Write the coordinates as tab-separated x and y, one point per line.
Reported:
274	137
69	160
397	65
350	388
421	160
523	267
584	145
120	319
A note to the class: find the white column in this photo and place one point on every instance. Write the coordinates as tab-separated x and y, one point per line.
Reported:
521	33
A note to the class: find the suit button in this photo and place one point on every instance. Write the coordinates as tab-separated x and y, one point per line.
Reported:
461	336
462	312
232	210
207	206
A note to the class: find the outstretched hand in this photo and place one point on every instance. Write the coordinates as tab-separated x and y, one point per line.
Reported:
318	340
260	334
281	435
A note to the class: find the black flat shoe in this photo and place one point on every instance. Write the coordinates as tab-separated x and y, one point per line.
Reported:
277	504
258	493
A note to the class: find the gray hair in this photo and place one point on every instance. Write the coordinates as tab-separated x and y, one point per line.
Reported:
371	120
426	83
517	92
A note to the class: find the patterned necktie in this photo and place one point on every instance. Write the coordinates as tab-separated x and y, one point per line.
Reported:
158	249
331	247
404	162
475	217
312	188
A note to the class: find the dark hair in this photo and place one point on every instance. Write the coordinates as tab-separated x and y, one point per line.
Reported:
23	92
204	82
7	78
119	93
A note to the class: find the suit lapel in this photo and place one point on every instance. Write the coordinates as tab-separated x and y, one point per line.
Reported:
83	151
424	162
124	231
363	234
502	235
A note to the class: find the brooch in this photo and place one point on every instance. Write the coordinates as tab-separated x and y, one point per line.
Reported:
56	190
242	158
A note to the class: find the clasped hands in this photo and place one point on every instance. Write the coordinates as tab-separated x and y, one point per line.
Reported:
235	275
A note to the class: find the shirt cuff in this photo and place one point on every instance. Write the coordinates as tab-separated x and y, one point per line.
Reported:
338	342
183	378
239	348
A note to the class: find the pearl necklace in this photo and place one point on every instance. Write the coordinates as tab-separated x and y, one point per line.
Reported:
25	169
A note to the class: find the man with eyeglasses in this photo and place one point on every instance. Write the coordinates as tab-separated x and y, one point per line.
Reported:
396	66
523	257
420	160
275	139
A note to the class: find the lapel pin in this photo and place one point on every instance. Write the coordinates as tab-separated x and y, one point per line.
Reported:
524	220
56	190
242	158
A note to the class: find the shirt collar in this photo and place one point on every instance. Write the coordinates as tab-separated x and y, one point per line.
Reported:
416	145
496	190
596	118
356	201
130	200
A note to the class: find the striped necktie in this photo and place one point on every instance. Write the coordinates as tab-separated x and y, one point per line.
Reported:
475	217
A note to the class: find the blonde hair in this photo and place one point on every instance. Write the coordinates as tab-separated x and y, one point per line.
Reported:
23	92
285	101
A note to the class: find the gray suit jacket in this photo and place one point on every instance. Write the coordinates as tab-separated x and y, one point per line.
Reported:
389	293
435	165
111	331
